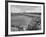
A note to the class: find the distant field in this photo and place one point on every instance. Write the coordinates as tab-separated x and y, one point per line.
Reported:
24	21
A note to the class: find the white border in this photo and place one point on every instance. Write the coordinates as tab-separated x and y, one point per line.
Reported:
23	32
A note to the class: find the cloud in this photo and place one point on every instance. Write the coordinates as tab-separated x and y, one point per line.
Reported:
19	8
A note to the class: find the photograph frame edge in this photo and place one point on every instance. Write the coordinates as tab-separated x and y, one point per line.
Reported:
6	18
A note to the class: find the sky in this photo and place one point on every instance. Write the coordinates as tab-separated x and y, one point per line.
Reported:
20	8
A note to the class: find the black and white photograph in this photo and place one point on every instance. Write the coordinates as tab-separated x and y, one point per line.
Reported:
24	18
